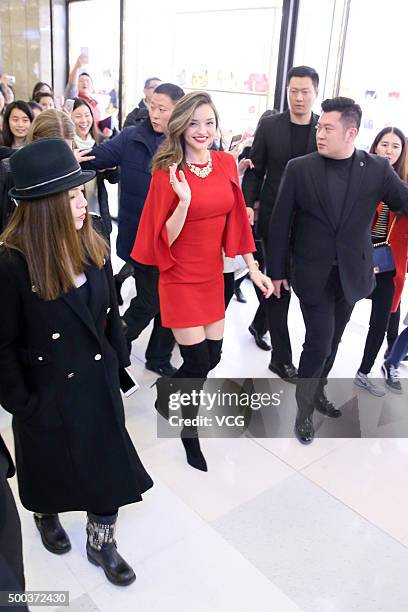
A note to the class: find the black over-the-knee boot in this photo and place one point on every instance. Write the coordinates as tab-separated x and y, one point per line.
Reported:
196	365
214	352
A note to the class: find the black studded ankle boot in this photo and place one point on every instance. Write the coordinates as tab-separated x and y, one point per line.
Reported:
53	535
101	549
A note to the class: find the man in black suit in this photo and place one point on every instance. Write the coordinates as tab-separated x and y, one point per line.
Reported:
278	139
322	223
11	556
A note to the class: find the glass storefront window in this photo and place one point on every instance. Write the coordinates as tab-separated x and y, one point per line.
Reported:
373	67
229	49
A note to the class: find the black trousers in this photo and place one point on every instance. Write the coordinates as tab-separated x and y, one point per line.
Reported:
143	308
11	552
260	321
272	314
393	327
325	323
381	303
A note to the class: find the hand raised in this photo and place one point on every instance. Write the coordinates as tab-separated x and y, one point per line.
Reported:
180	186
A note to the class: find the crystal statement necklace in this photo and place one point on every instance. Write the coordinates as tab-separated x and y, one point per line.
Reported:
201	172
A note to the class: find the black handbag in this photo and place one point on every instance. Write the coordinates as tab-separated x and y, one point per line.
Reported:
382	254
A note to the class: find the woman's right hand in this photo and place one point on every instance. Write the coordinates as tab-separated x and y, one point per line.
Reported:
180	187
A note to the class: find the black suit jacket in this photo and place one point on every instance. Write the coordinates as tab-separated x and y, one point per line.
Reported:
303	227
270	153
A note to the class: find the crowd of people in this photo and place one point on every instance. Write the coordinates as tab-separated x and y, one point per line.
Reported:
331	226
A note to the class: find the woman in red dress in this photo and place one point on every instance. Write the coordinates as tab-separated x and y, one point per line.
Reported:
194	211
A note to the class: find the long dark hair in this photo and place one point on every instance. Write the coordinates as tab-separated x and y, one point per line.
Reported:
8	137
62	250
95	133
399	165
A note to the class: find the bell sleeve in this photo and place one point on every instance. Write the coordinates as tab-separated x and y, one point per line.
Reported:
151	246
237	238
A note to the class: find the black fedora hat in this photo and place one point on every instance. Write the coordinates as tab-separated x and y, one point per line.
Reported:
45	167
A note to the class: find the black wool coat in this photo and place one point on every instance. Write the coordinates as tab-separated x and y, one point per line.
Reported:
59	363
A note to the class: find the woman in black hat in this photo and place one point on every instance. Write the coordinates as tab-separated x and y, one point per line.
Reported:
61	347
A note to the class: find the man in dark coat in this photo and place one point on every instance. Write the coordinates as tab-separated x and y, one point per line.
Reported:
141	112
11	554
133	150
278	139
322	222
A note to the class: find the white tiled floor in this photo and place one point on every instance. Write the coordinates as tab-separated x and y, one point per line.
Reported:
272	525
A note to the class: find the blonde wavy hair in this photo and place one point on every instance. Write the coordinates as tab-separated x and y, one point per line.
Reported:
172	151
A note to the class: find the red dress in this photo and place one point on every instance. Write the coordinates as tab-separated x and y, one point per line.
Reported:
191	282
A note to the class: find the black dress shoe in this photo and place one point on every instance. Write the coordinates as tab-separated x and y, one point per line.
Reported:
327	408
259	341
286	371
239	295
166	369
304	431
53	535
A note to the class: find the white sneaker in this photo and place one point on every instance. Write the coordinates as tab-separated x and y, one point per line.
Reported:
391	376
362	380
